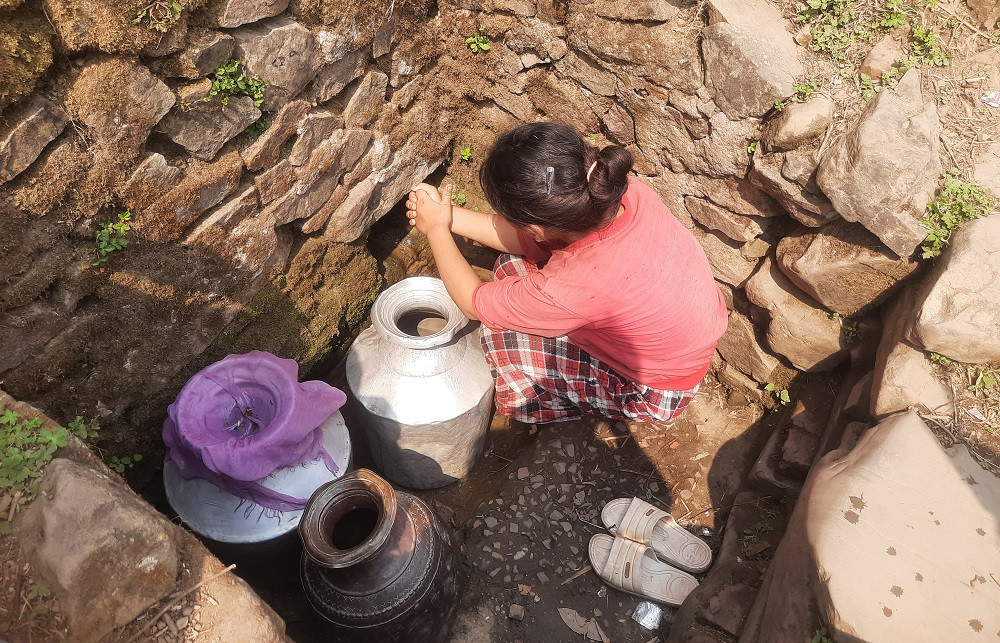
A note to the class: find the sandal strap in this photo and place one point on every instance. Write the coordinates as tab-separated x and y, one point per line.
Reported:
639	520
622	567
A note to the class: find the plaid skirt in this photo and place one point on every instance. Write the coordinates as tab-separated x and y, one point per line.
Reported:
550	379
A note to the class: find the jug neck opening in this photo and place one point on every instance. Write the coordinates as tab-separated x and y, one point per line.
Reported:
417	313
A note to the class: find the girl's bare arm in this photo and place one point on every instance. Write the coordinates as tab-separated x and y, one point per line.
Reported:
488	229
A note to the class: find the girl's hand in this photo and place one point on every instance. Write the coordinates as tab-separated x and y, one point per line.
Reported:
428	209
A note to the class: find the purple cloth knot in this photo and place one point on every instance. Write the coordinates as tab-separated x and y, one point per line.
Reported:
241	418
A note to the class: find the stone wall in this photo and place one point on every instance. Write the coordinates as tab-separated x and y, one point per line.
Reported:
242	243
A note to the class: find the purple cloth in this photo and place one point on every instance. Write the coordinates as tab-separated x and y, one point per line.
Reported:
239	419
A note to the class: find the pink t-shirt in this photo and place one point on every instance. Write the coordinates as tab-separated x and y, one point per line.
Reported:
637	294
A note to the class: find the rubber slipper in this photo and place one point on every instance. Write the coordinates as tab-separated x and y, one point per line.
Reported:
633	568
637	520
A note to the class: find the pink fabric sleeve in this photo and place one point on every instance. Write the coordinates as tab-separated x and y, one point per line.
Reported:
532	251
520	304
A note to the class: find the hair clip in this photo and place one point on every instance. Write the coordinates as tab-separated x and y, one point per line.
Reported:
550	173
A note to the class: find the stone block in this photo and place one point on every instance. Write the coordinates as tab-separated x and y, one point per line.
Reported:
737	227
206	49
728	609
797	328
843	266
748	70
884	171
204	127
805	203
275	181
987	169
233	13
728	263
798	450
366	100
882	57
34	126
957	314
118	100
337	73
741	347
317	126
282	53
264	152
108	555
798	124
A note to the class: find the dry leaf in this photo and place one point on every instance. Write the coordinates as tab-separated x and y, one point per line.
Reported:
573	620
525	590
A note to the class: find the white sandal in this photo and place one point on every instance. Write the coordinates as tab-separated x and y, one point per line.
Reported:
632	567
637	520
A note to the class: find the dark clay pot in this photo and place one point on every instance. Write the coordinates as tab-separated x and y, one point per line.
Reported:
379	565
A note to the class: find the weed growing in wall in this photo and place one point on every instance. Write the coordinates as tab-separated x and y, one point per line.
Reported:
478	41
957	201
110	236
159	15
231	79
120	464
25	447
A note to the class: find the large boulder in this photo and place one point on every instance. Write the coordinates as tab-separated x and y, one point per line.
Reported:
843	266
958	314
883	172
106	571
34	127
750	57
797	328
282	53
879	543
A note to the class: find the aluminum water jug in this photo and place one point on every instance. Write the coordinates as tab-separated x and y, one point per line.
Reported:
423	387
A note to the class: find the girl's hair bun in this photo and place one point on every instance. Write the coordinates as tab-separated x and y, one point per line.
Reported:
609	180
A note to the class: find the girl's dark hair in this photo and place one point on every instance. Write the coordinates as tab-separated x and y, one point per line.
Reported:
537	174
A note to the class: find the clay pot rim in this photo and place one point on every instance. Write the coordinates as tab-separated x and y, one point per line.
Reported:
361	482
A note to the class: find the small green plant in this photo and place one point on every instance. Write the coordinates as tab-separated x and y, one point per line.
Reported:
752	534
467	154
25	447
478	41
753	142
779	105
805	89
592	136
780	395
258	127
939	359
868	89
120	464
110	236
926	47
459	198
832	28
957	201
821	636
986	381
159	15
851	332
893	15
231	79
